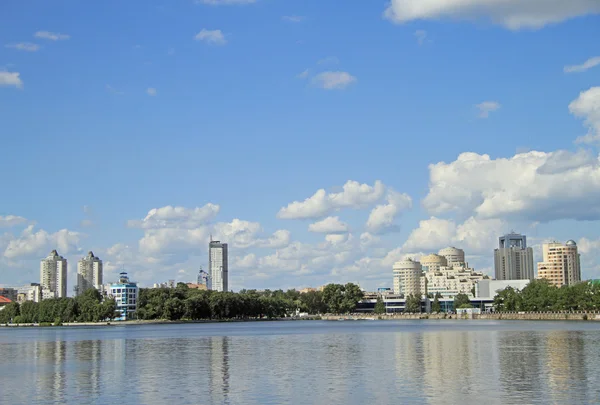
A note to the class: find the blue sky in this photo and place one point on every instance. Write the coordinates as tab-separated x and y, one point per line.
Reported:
126	107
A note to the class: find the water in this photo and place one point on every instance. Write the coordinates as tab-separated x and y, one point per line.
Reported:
370	362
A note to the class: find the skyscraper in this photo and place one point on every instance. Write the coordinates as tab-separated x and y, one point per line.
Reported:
513	260
89	273
53	276
217	265
560	263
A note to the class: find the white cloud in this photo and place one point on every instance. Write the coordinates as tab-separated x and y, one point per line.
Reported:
382	216
303	75
52	36
588	64
512	14
211	37
354	195
24	46
11	220
421	36
224	2
151	91
487	107
245	234
587	106
333	80
176	217
535	186
367	239
11	79
329	225
34	244
293	18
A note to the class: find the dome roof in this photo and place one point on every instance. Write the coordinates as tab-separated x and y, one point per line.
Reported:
571	242
434	259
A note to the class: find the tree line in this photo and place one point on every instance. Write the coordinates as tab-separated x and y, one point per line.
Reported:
541	296
182	302
88	307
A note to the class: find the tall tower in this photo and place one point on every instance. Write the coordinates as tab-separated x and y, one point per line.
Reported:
561	263
513	260
407	278
89	273
53	276
218	266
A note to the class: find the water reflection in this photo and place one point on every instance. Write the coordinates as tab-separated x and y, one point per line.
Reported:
412	363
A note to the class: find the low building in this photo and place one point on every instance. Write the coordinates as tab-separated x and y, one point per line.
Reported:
307	290
4	301
31	292
125	293
448	281
195	286
10	293
491	288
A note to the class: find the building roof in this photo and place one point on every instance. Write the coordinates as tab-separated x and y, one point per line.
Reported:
4	300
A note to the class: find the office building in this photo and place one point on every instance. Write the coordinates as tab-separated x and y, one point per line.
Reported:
89	273
218	266
488	289
513	260
560	264
53	276
31	292
125	292
407	278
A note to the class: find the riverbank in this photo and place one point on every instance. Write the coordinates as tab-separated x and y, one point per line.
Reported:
504	316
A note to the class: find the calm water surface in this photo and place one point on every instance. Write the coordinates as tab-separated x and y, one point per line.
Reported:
370	362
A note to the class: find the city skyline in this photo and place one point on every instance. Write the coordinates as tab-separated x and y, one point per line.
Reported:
318	152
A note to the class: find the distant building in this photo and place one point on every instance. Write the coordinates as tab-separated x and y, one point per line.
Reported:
31	292
307	290
488	289
561	263
197	286
125	293
407	277
451	280
89	273
453	255
53	276
218	266
9	293
4	301
203	278
513	260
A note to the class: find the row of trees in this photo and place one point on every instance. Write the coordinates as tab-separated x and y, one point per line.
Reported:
541	296
185	303
88	307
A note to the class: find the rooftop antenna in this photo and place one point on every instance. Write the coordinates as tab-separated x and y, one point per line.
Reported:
211	237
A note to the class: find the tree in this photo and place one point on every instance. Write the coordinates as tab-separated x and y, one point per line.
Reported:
435	306
461	299
380	306
508	299
341	299
312	302
10	311
412	304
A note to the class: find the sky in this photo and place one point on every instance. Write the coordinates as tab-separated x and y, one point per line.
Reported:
322	140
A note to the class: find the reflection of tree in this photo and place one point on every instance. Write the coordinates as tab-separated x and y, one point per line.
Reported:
88	378
50	361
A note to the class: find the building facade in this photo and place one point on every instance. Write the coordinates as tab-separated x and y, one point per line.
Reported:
89	273
453	255
407	278
560	264
125	293
10	293
513	260
218	266
451	280
31	292
53	276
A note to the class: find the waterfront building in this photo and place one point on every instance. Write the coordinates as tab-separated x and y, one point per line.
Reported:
31	292
195	286
407	277
10	293
89	273
453	255
53	276
4	301
433	262
451	280
125	292
488	289
513	260
218	266
560	264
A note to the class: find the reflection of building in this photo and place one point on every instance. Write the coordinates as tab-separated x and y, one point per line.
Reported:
218	266
125	293
53	276
513	260
560	265
89	273
219	369
407	277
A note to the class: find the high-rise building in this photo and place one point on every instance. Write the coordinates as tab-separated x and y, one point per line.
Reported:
89	273
407	277
53	276
453	255
560	263
513	260
217	266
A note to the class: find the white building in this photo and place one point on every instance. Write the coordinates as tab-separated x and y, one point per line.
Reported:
513	260
561	263
31	292
218	266
407	277
488	289
53	276
89	273
451	280
453	255
125	293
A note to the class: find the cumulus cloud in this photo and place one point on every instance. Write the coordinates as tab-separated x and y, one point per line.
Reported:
333	80
587	107
52	36
512	14
530	186
382	216
486	108
33	244
588	64
11	220
211	37
11	79
176	217
329	225
354	195
24	46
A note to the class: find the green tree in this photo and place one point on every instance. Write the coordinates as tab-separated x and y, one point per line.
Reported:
508	299
380	306
341	299
412	304
312	302
460	300
10	311
435	306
